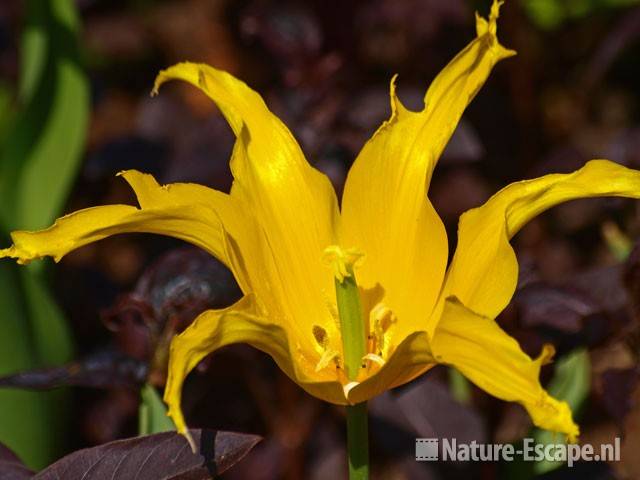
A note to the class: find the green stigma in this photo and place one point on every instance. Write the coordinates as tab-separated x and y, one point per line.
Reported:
352	324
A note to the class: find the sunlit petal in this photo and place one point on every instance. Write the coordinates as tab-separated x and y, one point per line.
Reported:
243	322
484	270
294	203
493	360
386	212
176	211
409	360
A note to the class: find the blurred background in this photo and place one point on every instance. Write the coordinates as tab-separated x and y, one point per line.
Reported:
90	334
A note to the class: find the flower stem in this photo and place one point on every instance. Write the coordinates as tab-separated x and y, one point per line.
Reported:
354	348
358	441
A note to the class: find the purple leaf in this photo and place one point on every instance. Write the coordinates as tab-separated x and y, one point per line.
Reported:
163	456
11	468
106	369
560	308
617	387
424	408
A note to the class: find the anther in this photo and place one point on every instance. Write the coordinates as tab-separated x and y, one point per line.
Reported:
327	357
372	357
381	318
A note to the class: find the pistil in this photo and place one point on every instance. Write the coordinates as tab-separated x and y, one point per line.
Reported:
352	326
354	350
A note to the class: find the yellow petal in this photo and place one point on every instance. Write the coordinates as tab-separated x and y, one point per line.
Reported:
177	212
409	360
244	251
386	212
294	204
493	360
241	323
484	271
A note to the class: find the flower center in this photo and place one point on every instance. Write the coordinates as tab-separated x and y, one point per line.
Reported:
352	326
365	345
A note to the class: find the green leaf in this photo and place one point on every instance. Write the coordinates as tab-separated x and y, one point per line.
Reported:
571	382
33	50
43	151
550	14
34	334
459	386
546	14
49	328
25	417
152	415
40	153
6	109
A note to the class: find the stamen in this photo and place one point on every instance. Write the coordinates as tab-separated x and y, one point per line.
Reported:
372	357
327	357
342	260
333	312
381	318
328	354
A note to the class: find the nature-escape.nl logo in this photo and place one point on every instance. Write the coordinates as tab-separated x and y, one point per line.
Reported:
430	449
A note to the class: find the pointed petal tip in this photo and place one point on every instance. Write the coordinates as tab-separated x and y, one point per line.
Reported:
159	80
191	72
483	352
161	77
495	9
503	52
157	83
572	437
489	26
131	174
547	354
397	106
175	414
184	431
169	74
561	417
187	435
554	415
21	256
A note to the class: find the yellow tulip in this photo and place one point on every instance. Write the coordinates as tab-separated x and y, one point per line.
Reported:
281	225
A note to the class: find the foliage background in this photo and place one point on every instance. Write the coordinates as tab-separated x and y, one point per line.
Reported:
75	109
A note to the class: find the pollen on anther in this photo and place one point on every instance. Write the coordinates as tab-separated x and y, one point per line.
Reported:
328	354
320	334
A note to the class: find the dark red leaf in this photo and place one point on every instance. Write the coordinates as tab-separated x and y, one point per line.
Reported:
617	389
163	456
632	278
560	308
11	468
106	369
425	408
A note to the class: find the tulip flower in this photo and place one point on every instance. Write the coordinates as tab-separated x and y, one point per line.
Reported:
356	299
